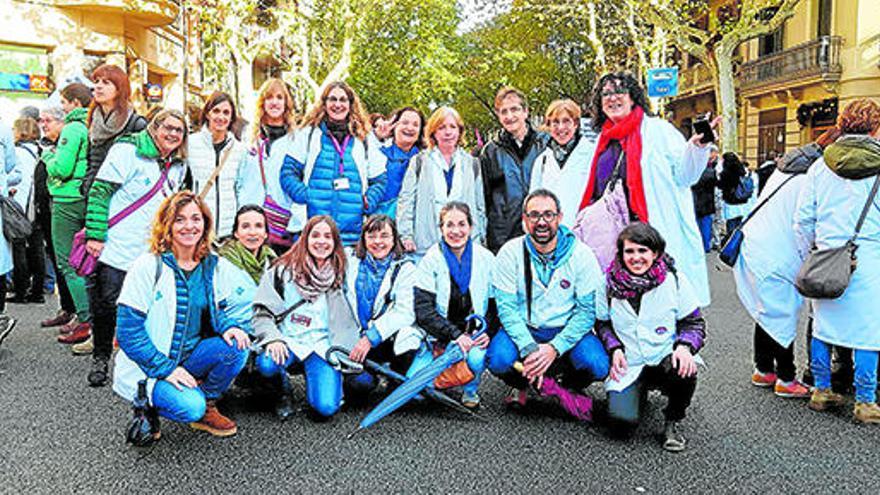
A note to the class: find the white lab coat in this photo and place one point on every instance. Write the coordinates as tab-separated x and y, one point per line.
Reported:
567	183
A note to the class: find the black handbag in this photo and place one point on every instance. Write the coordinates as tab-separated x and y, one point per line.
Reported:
16	226
826	273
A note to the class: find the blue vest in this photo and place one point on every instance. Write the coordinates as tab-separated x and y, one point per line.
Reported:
345	206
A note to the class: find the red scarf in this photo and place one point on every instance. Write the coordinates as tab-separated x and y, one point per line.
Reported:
628	133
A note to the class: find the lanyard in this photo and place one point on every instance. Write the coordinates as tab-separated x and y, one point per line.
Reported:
340	150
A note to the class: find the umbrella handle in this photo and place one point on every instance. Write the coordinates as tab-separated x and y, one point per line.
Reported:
339	355
482	324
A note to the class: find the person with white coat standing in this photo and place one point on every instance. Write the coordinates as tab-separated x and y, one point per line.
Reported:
214	157
766	268
7	164
657	167
564	165
839	189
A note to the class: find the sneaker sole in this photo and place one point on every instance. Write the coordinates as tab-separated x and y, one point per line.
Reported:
674	447
8	330
787	395
823	406
763	385
214	431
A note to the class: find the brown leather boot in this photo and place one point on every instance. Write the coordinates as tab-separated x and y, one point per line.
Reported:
215	423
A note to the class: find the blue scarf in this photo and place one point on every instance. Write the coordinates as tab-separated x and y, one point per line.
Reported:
459	270
369	278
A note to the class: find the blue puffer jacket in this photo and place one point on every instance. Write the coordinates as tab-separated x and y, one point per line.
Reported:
346	206
398	162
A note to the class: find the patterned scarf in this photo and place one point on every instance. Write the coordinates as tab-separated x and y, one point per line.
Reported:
314	281
623	284
561	152
104	127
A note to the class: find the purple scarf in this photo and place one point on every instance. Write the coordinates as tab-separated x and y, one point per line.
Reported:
623	284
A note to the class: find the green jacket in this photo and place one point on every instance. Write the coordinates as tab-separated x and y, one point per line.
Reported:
67	165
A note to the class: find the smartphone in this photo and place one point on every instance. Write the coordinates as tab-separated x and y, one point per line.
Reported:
702	126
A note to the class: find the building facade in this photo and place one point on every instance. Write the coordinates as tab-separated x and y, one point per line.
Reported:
46	43
791	83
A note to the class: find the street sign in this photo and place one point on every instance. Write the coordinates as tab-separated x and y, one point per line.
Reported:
663	82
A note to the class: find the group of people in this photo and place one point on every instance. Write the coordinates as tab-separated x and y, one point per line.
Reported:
322	231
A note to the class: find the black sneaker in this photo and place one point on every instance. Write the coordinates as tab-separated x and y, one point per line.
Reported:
7	325
99	374
673	441
284	407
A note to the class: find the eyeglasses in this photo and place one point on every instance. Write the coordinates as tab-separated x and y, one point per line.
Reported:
173	129
333	99
618	90
547	216
564	122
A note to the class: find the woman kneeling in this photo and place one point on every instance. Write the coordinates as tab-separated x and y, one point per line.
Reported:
170	302
292	317
651	326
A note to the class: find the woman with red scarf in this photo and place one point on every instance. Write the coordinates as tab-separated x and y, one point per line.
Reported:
657	169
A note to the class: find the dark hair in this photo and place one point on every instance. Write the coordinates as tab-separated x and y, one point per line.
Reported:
541	193
247	209
78	92
642	234
395	116
375	223
214	100
374	117
625	79
732	169
457	206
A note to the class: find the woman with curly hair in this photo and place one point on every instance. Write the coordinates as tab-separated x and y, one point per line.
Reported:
656	167
258	180
173	333
291	320
336	166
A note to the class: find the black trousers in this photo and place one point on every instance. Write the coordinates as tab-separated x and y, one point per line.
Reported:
625	406
771	357
29	265
104	287
362	384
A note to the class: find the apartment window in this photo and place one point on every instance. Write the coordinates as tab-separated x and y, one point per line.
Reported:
771	43
823	28
771	133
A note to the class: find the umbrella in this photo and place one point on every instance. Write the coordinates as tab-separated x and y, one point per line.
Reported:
415	384
340	355
578	405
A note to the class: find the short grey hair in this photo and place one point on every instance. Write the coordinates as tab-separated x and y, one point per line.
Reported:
54	111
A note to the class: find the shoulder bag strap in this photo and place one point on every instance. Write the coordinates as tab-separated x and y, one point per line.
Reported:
388	297
260	148
527	269
765	201
128	210
866	208
216	172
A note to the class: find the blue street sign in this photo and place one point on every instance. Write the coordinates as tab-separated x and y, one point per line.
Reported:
663	82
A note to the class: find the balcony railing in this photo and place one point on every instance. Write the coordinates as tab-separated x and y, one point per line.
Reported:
819	58
146	12
695	79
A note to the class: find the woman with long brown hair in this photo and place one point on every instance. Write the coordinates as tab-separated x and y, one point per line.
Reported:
336	166
258	181
292	316
170	300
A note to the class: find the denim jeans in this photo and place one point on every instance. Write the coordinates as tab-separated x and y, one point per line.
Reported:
865	364
475	358
213	361
323	381
705	225
587	358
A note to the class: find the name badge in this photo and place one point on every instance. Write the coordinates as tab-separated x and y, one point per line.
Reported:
341	184
300	320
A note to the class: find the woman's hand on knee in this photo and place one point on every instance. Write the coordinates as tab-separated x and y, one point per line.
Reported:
278	352
181	378
684	362
618	365
237	335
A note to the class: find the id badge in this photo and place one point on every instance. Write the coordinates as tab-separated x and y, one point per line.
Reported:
341	184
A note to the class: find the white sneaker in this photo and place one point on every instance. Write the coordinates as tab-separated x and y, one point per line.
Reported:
7	324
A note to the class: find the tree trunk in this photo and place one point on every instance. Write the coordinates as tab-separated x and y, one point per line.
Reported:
726	96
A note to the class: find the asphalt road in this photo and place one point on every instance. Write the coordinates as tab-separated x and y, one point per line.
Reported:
57	435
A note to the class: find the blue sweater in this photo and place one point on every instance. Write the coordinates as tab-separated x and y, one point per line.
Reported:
345	206
395	168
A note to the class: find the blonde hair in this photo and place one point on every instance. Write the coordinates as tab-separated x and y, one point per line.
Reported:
25	129
161	235
558	107
436	120
270	86
358	120
506	91
160	117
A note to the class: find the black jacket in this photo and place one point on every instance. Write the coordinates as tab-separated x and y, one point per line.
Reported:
704	192
98	150
507	173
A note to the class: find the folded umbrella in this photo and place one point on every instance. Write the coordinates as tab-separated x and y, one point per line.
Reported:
577	405
418	382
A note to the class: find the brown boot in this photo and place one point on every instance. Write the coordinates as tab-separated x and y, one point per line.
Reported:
215	423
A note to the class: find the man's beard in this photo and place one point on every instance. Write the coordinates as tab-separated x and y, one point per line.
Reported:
551	234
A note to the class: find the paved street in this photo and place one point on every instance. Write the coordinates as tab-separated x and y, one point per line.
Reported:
57	435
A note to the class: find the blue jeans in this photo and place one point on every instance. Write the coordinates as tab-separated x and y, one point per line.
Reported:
217	364
587	358
323	382
705	225
475	358
865	367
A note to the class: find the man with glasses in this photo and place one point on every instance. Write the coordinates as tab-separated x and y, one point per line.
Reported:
506	164
546	285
